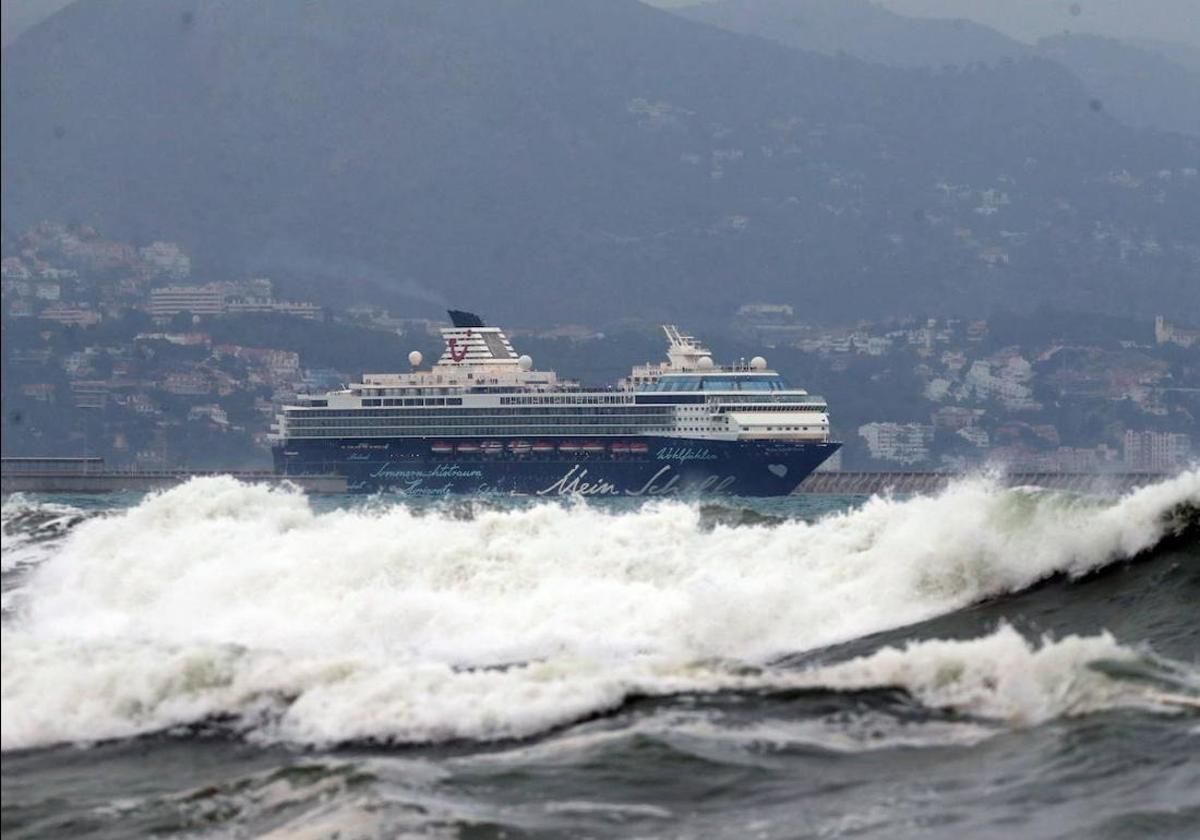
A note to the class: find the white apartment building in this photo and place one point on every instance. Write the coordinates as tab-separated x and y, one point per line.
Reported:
1157	451
169	301
904	443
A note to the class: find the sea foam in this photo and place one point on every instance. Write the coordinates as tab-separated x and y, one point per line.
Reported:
30	527
384	623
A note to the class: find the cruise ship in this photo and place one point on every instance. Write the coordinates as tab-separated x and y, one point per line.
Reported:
482	420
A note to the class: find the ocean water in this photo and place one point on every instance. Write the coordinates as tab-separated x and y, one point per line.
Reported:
224	660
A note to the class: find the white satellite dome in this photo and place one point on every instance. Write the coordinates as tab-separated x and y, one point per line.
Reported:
704	363
415	358
758	363
525	363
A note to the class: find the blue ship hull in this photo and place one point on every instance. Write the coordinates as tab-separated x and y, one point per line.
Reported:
667	467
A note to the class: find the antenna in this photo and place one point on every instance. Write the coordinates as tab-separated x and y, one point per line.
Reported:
684	352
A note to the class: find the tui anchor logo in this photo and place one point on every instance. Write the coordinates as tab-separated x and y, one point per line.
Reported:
457	353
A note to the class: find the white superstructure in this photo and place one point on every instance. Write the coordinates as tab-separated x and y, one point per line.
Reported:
481	387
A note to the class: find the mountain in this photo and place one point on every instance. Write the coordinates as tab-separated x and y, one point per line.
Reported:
1138	86
586	160
1030	20
18	15
861	28
1184	55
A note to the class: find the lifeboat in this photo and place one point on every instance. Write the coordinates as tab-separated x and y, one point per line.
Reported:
468	448
620	448
638	448
519	447
593	447
568	446
441	448
492	447
542	448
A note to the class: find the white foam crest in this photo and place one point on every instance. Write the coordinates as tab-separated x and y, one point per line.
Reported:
30	528
17	505
20	551
113	691
1002	676
217	597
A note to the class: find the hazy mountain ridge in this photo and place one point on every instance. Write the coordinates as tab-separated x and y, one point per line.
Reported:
1031	20
863	29
586	160
1185	55
1137	85
16	16
1146	85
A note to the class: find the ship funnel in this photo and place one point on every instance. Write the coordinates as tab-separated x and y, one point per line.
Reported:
462	319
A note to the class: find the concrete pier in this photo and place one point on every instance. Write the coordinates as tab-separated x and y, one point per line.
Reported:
869	483
117	481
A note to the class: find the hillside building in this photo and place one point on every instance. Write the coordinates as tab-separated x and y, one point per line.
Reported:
1157	451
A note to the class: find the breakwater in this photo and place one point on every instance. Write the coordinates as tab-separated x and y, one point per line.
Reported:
867	483
142	481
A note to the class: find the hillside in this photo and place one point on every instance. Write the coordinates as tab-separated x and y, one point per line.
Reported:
587	160
1138	86
18	15
1147	85
1031	20
861	28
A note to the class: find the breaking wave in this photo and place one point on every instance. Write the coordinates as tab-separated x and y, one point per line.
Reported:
30	527
218	600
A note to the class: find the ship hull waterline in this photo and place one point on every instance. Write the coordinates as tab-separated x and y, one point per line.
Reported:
668	467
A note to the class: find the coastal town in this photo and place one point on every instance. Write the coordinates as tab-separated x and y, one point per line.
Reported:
121	351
